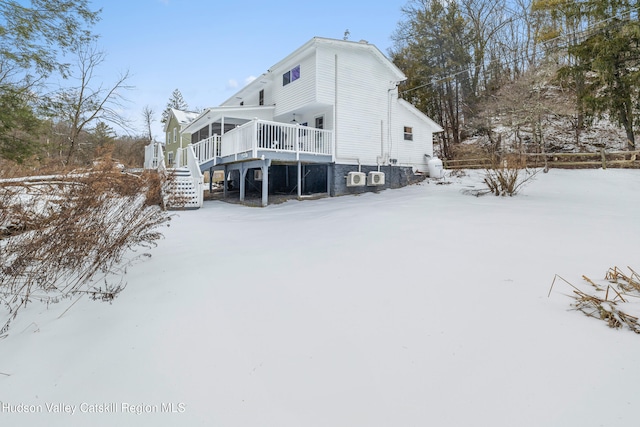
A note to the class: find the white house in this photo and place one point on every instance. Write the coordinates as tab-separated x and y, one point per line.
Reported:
327	118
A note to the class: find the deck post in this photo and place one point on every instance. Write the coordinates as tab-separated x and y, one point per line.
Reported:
299	183
243	176
265	183
225	183
331	170
297	141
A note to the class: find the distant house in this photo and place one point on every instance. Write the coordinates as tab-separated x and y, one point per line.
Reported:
175	138
325	119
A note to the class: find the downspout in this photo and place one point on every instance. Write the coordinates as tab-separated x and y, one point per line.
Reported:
335	108
381	158
389	126
382	140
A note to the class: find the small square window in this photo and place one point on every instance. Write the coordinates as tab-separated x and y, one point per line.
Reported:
291	75
408	133
295	74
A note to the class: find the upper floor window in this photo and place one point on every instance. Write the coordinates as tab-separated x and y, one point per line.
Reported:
408	133
175	135
291	75
261	97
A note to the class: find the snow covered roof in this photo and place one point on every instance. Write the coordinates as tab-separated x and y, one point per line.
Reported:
214	114
182	117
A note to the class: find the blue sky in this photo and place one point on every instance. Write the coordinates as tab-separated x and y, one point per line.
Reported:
208	48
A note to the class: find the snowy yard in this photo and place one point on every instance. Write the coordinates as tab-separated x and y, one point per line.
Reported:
421	306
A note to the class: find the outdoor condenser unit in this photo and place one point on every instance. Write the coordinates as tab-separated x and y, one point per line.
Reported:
375	178
356	179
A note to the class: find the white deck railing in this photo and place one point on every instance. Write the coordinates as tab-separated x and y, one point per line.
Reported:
293	138
239	140
263	135
204	150
154	156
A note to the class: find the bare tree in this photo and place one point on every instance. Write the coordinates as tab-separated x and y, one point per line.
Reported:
485	19
89	101
148	115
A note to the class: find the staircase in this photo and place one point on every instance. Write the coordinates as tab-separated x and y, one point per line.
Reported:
185	186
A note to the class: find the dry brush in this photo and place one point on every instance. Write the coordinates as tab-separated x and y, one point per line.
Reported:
74	234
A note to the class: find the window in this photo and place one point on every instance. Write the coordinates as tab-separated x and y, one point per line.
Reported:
291	75
408	133
170	157
295	73
175	135
203	133
320	122
261	97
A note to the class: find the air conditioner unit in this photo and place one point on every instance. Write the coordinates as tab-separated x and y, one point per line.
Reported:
356	179
375	178
257	175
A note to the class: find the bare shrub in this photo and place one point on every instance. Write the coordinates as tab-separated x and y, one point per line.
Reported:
507	176
61	235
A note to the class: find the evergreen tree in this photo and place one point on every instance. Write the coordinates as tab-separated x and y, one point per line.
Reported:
18	124
34	35
602	38
432	49
176	101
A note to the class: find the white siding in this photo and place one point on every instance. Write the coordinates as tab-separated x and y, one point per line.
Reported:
359	102
410	153
363	84
298	93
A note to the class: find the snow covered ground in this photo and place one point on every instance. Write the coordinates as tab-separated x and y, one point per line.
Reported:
411	307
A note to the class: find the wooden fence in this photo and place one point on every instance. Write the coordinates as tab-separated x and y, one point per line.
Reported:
602	159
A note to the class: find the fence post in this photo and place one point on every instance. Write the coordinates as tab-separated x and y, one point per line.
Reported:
604	158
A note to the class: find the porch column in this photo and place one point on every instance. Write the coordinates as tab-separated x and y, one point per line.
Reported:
243	176
299	179
265	183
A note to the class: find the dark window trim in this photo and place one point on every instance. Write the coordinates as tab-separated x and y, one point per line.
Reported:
291	76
